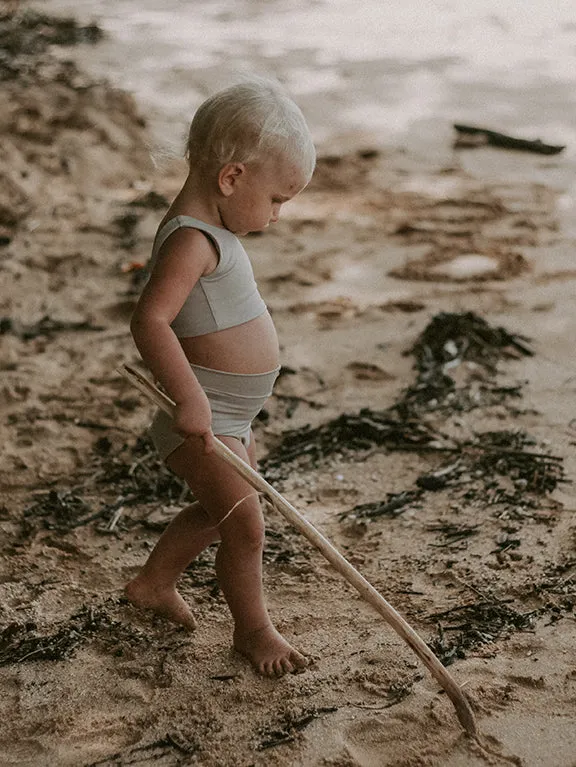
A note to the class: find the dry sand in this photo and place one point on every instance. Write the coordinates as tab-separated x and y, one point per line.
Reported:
360	264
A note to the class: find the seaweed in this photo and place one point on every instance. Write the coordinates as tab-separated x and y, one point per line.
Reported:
283	547
449	340
501	452
137	473
479	462
474	625
172	745
452	532
474	465
345	435
393	506
285	731
556	589
58	510
452	336
498	453
24	643
134	473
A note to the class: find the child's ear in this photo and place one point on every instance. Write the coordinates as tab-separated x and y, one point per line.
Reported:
228	177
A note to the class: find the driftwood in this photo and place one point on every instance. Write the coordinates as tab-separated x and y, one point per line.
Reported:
471	136
336	559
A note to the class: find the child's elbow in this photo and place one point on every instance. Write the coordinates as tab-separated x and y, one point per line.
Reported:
145	323
137	324
134	322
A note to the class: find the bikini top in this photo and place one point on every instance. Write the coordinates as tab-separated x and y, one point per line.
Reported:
223	299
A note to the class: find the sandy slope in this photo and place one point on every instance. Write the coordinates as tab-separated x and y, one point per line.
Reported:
358	267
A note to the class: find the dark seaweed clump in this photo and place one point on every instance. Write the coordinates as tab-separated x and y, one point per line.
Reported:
347	434
289	725
467	627
137	473
172	748
448	341
25	643
132	475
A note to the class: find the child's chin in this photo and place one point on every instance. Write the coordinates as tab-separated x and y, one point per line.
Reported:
250	230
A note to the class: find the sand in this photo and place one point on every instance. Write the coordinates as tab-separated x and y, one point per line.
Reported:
483	567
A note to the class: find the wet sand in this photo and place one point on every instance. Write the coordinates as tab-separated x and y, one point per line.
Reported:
385	239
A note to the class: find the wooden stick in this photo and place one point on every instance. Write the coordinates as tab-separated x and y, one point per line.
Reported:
337	560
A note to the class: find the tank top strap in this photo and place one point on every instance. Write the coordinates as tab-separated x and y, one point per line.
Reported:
218	235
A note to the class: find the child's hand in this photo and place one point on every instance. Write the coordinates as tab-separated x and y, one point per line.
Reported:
194	418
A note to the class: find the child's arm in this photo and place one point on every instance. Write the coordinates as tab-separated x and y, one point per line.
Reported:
182	261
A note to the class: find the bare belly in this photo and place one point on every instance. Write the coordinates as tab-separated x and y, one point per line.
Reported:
248	348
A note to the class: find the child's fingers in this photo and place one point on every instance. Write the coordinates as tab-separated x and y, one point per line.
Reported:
209	441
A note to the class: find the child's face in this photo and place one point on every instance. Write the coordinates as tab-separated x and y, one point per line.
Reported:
255	192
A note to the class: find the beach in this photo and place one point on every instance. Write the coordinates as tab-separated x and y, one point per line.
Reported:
423	419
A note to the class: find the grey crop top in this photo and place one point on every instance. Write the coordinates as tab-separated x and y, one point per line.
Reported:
228	296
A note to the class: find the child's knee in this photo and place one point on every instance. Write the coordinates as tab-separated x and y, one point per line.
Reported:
245	529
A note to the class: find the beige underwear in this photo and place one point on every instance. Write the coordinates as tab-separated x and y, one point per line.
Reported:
235	400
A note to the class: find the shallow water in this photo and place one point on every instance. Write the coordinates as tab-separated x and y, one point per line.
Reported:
404	69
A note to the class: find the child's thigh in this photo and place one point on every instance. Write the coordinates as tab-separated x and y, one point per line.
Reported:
215	484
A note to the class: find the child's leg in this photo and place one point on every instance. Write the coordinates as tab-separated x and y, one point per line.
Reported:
155	585
239	559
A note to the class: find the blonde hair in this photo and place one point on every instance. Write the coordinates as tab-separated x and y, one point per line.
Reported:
245	123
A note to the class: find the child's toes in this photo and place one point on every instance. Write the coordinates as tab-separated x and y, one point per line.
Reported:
297	660
286	667
266	668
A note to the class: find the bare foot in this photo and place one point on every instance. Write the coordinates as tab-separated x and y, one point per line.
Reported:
167	602
269	652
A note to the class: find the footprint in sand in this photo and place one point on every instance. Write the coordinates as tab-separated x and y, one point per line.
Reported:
388	741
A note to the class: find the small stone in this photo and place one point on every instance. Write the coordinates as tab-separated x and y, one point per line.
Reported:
468	266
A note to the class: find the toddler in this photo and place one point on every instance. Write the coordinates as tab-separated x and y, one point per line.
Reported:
203	330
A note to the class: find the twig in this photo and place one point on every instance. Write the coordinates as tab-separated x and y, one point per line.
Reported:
484	596
114	521
473	447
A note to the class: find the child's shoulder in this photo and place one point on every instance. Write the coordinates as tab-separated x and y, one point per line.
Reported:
181	239
184	221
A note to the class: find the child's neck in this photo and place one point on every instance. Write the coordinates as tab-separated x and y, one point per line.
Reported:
195	200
